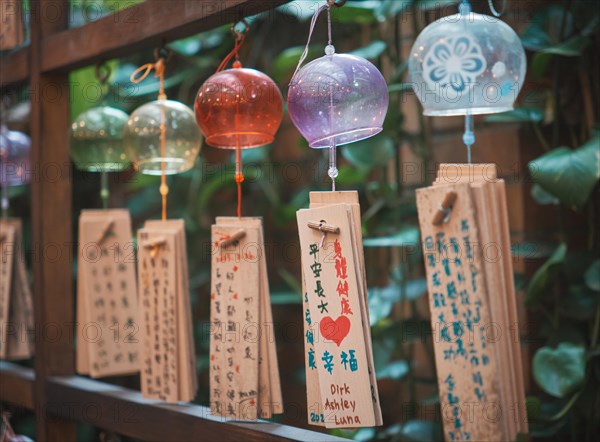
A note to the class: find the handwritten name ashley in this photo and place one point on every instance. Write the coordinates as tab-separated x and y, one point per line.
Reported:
341	404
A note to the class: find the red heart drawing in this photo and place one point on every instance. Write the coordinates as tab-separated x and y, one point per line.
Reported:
336	330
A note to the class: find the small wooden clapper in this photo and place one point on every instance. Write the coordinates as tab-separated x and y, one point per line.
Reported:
167	350
340	375
244	375
107	309
16	304
466	247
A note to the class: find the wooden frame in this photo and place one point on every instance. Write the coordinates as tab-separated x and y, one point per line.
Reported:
57	396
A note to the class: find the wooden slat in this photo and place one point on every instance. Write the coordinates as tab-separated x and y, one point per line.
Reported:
14	67
16	385
126	412
141	26
51	220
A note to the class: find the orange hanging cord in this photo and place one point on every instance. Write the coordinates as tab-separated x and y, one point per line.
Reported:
136	77
240	37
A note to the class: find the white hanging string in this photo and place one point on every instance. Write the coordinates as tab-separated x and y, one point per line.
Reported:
494	10
313	23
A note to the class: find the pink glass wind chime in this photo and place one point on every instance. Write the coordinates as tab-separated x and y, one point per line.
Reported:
337	99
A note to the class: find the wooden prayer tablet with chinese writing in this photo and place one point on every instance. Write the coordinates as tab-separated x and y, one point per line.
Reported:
107	309
167	345
16	304
244	377
473	306
336	339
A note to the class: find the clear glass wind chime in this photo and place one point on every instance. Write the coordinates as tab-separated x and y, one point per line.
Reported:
467	64
97	138
161	137
336	99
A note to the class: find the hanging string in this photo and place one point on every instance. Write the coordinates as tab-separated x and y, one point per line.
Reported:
239	176
469	135
332	171
137	76
493	9
103	72
313	22
240	38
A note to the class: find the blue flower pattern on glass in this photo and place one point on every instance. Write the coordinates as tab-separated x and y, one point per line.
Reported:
454	62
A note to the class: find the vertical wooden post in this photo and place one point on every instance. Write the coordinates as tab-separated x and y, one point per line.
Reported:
52	226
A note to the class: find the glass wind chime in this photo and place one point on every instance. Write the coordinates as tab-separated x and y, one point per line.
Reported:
161	137
337	99
467	64
97	139
15	150
238	108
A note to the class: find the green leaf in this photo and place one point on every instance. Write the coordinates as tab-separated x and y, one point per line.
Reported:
592	276
382	299
302	10
426	5
544	275
391	8
395	370
186	46
285	63
364	434
400	88
544	29
420	431
286	298
559	371
532	250
521	114
580	304
350	176
355	12
372	152
539	63
568	174
542	197
407	237
573	47
371	51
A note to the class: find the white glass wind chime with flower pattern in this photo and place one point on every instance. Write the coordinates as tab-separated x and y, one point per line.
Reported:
467	64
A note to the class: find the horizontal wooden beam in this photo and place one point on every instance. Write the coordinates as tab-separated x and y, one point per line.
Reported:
126	412
16	385
14	67
145	25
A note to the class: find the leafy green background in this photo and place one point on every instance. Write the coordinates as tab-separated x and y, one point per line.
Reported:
559	110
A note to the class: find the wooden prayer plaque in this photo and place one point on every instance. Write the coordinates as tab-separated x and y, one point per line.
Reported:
244	377
473	306
337	344
107	310
16	304
168	357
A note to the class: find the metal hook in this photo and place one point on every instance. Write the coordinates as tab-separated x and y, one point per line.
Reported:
103	72
163	53
238	34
